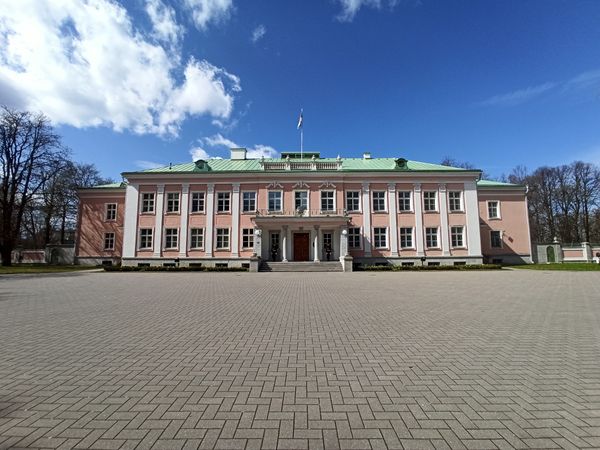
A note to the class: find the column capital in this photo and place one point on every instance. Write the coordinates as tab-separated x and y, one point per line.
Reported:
442	187
185	188
236	187
160	188
210	187
316	227
392	187
417	187
365	186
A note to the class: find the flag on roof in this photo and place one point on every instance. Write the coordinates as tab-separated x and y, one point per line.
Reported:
300	120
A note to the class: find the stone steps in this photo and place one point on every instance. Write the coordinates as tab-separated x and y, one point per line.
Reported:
301	266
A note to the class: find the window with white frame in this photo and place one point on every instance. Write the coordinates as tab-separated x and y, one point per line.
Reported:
274	198
493	209
496	239
247	238
111	211
406	237
404	201
172	202
429	201
352	200
431	237
223	202
109	241
379	201
301	200
380	237
145	238
457	236
327	200
148	202
354	237
222	238
196	238
171	237
455	201
197	202
249	201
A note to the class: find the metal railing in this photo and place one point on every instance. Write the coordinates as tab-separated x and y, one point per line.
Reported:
301	165
301	213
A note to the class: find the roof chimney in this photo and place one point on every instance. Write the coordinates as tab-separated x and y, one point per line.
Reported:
367	155
238	153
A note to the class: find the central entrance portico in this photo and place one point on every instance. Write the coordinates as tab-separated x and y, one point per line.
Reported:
301	246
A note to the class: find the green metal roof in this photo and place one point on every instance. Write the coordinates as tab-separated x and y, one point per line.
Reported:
348	165
497	184
109	186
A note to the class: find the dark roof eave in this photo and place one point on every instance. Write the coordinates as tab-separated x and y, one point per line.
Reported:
192	172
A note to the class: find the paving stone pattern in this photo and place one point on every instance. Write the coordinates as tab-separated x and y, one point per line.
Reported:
484	360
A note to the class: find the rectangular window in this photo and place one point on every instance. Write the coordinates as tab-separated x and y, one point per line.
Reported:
171	237
456	235
380	237
275	200
197	202
109	241
327	200
493	209
301	200
111	211
222	238
406	237
431	237
378	201
172	202
404	201
353	201
223	202
145	238
430	201
148	202
496	239
248	238
196	238
454	201
354	237
249	201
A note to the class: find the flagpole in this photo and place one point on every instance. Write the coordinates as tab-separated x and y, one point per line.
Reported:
302	142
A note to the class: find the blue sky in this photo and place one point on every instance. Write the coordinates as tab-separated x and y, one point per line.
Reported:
145	82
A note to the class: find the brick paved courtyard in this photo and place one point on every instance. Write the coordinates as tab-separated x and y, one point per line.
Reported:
505	359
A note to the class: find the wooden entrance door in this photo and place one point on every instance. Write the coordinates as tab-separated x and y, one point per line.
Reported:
301	246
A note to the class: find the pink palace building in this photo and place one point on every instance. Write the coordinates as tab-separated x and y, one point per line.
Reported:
254	213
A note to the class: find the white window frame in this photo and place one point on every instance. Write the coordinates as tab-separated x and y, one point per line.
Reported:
106	209
224	211
253	210
217	238
461	203
280	192
435	201
462	236
109	236
410	201
379	247
149	202
385	208
249	235
437	237
307	192
191	247
360	239
200	211
500	236
499	215
359	209
412	237
327	191
172	247
175	211
151	237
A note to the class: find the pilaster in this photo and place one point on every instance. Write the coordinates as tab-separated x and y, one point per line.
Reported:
235	221
393	218
158	223
210	216
419	220
183	227
472	211
366	218
444	220
130	225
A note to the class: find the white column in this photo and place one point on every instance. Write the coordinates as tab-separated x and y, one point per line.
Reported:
184	210
419	220
210	215
393	218
131	215
316	244
472	210
258	242
343	242
159	208
235	221
284	246
366	218
444	220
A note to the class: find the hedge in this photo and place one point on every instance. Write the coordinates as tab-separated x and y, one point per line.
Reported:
172	269
394	268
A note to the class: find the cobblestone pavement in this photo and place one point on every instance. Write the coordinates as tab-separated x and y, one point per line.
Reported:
484	360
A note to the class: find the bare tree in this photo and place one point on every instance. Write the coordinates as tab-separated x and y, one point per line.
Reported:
29	152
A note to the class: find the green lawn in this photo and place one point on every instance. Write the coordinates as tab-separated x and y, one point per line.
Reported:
584	267
41	268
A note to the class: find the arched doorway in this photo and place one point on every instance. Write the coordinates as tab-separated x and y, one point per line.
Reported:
550	257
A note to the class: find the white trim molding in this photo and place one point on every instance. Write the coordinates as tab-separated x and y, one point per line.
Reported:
472	225
130	225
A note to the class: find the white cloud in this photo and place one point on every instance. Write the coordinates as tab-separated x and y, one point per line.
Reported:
519	96
147	164
206	11
351	7
218	140
258	33
258	151
85	64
